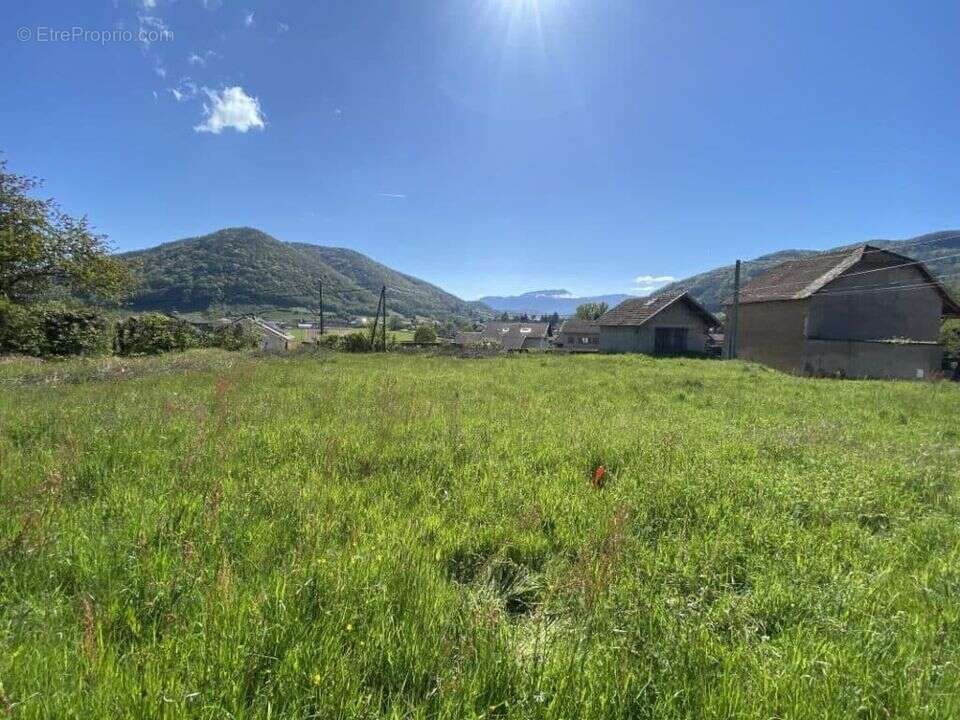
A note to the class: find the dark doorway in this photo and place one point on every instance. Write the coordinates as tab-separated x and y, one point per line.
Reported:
670	341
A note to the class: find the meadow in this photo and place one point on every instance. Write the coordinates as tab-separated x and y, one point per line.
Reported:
219	535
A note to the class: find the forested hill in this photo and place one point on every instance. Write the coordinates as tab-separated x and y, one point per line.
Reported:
939	250
245	268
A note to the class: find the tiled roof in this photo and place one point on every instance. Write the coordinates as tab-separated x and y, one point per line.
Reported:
580	327
513	334
637	311
796	279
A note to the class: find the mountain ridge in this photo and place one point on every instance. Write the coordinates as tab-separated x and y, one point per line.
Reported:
245	268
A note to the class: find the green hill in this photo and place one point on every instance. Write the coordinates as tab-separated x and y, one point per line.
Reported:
938	250
244	268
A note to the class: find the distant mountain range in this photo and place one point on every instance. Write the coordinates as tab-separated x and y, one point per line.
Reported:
546	302
247	270
940	251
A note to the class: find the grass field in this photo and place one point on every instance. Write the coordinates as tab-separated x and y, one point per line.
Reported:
230	536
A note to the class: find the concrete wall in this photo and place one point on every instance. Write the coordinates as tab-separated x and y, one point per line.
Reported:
840	312
641	339
856	359
771	333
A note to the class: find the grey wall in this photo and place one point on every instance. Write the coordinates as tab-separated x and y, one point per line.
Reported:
771	333
876	315
571	341
641	339
856	359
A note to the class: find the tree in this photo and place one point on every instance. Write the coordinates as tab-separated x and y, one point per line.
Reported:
42	249
425	334
950	339
591	311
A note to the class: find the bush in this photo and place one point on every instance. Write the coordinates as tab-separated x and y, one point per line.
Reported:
45	330
153	334
425	334
355	342
234	337
950	339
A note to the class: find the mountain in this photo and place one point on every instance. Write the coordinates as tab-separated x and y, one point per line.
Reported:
246	269
940	251
546	302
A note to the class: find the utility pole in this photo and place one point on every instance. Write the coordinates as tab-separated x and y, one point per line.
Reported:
376	318
734	315
383	330
321	308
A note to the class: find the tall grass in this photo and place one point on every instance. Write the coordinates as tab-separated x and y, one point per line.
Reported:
410	537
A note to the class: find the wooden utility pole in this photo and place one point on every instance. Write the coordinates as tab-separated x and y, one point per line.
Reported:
734	315
376	318
321	308
383	330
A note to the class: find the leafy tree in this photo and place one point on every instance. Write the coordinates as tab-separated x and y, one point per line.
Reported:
591	311
950	339
425	334
42	249
394	322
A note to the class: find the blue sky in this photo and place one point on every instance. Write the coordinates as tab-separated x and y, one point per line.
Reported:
493	146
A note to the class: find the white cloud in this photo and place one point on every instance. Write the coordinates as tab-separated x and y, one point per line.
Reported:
211	4
201	59
646	284
148	4
654	279
248	18
185	90
396	196
230	108
282	27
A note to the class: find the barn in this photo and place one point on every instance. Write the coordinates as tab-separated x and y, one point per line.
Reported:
671	323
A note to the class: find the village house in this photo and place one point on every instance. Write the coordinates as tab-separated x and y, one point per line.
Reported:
271	338
578	336
509	335
665	324
860	312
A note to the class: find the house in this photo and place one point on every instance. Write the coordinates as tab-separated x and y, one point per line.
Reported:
715	343
270	337
667	324
578	336
860	312
510	335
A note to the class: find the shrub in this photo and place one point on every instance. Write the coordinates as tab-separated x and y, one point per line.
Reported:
950	339
20	331
425	334
153	334
355	342
329	341
43	330
234	337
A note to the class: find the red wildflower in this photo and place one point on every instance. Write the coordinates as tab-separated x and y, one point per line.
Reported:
599	476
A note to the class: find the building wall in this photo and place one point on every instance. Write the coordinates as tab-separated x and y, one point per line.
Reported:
856	308
857	359
573	341
641	339
771	333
